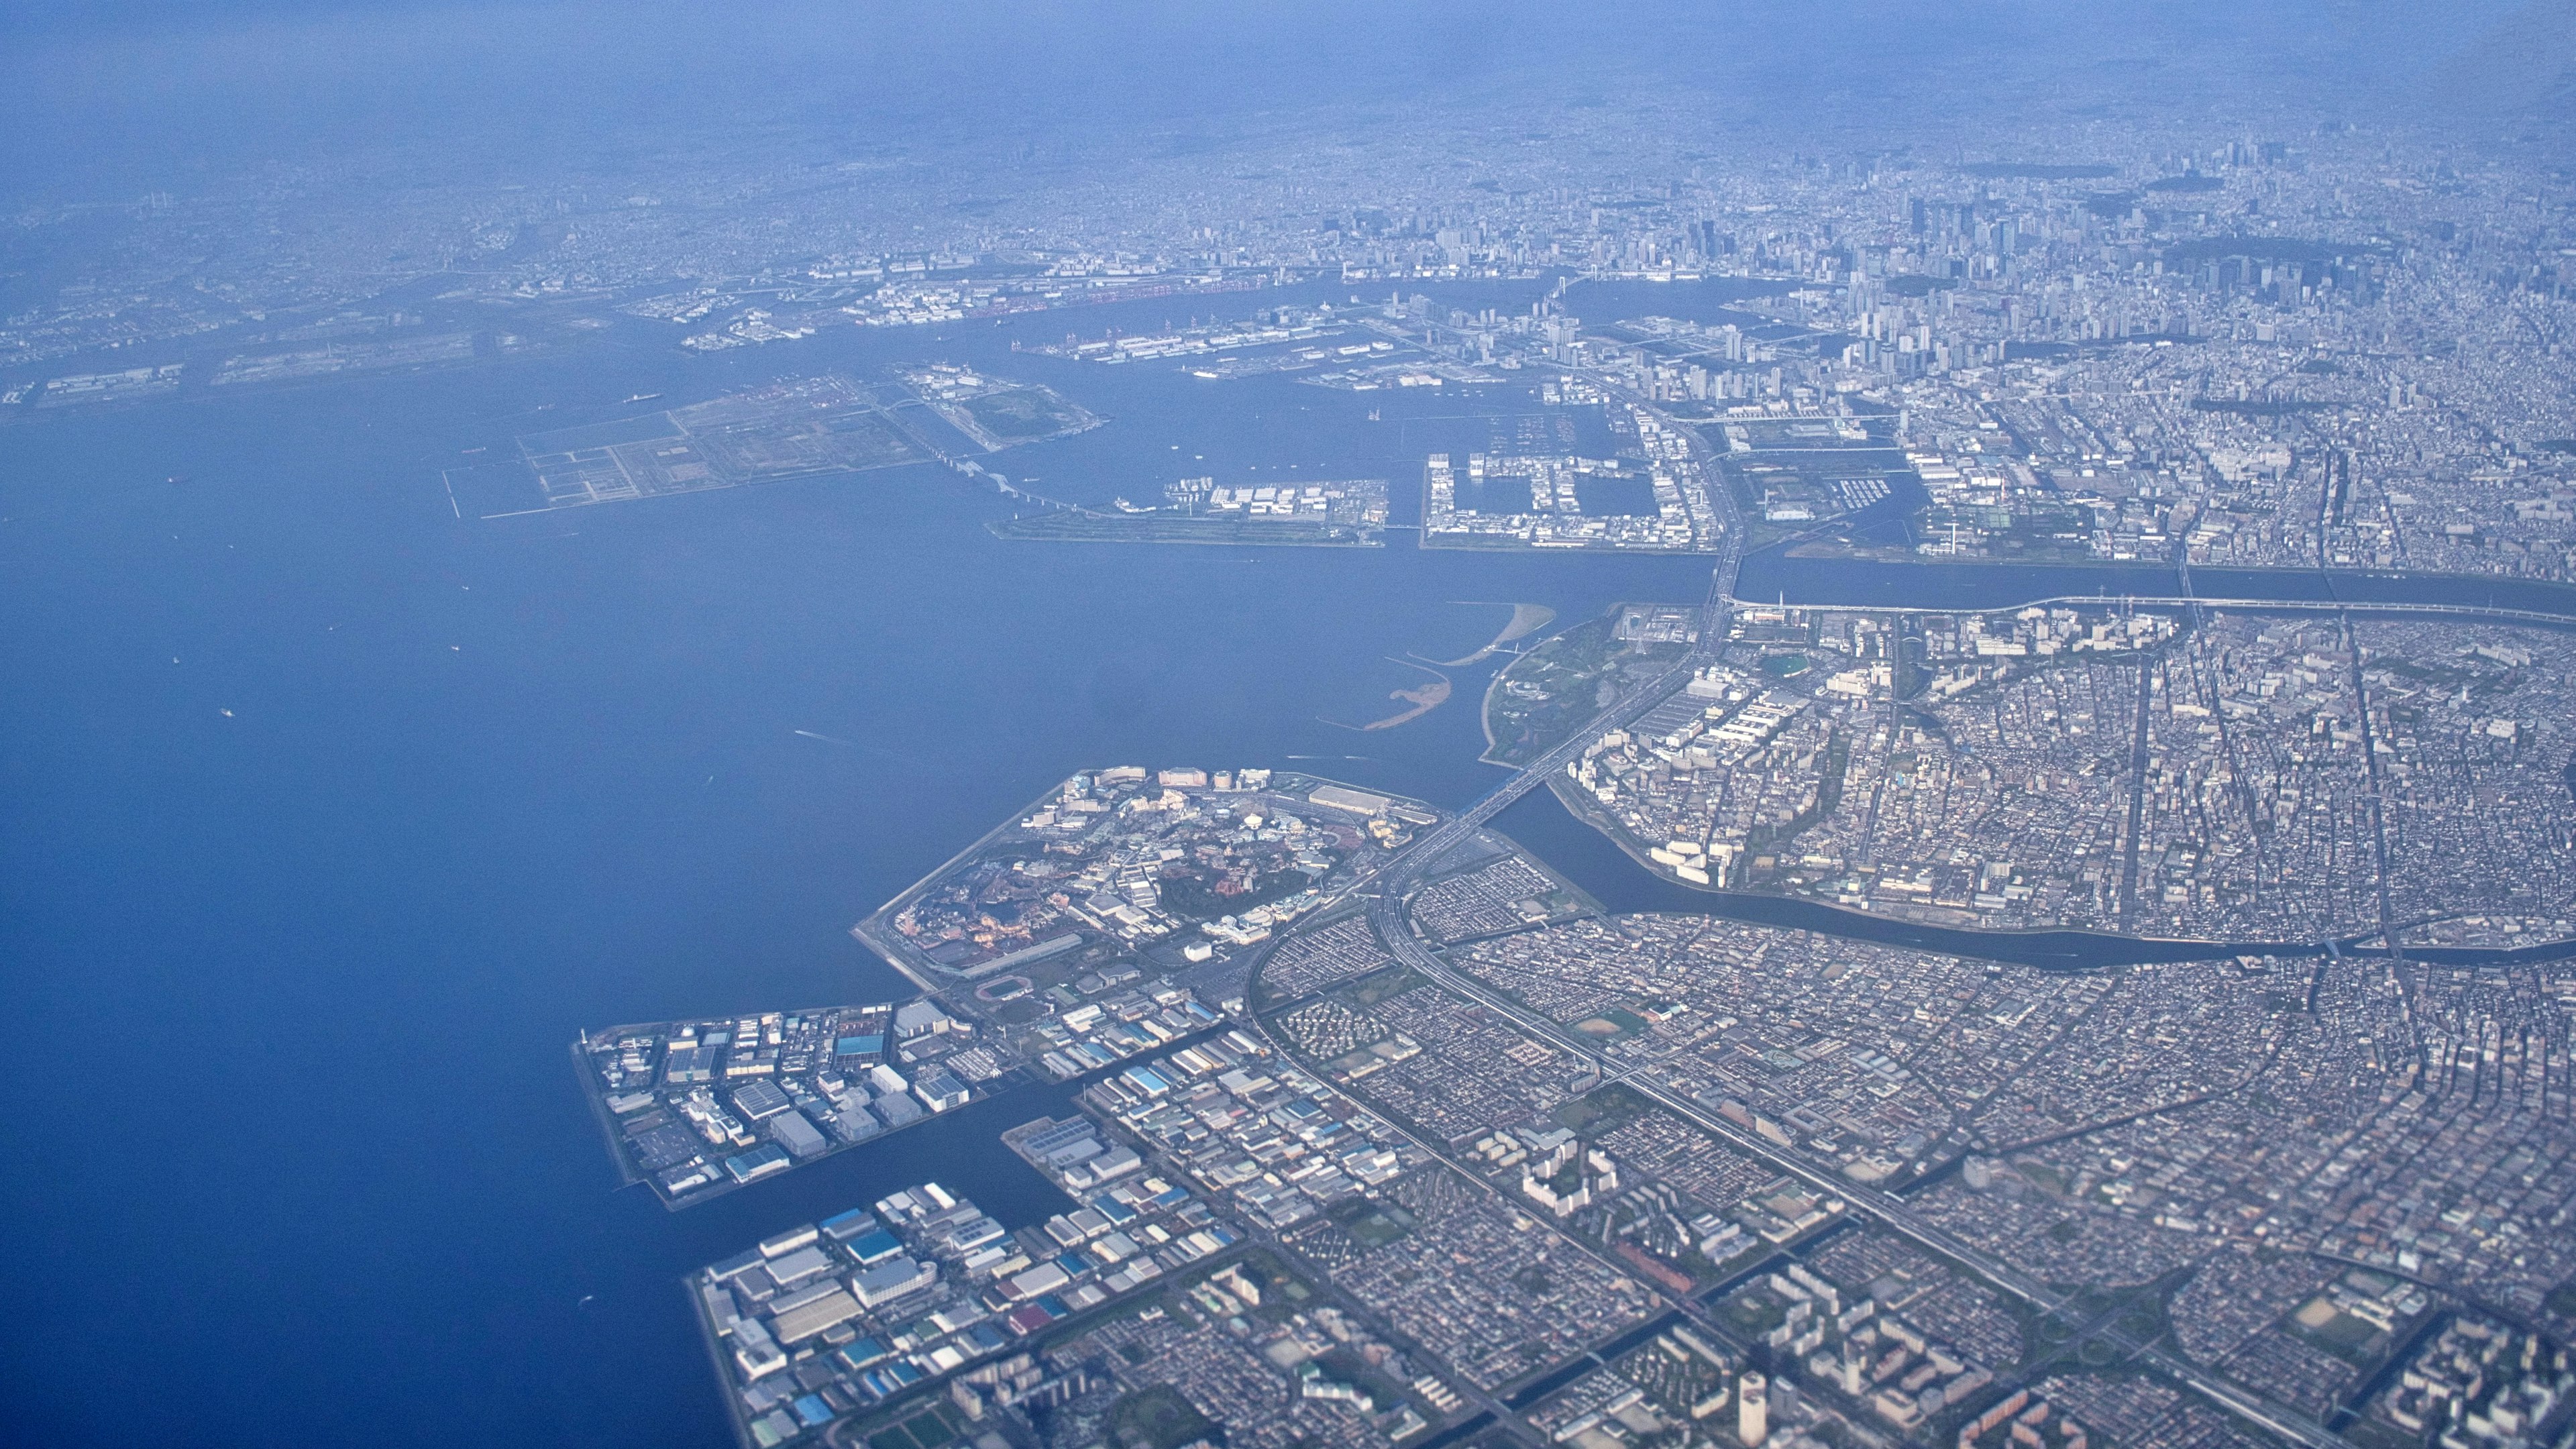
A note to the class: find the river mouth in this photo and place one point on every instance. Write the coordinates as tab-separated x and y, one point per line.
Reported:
1541	824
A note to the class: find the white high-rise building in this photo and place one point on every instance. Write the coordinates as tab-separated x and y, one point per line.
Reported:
1752	1409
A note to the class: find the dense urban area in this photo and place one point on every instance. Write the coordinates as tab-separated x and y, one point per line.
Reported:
2215	776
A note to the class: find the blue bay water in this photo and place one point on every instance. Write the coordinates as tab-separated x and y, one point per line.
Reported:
299	1154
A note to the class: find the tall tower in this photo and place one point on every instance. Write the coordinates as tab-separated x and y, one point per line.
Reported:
1752	1409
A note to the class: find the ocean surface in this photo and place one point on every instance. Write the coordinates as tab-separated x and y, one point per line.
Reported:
332	817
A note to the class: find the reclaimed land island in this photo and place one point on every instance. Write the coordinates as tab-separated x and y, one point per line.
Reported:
700	1108
1345	513
1174	862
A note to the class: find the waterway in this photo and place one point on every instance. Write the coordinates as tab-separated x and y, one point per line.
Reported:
1586	857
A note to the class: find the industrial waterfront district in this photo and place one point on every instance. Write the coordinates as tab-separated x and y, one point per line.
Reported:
1375	1129
1381	1131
